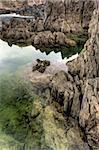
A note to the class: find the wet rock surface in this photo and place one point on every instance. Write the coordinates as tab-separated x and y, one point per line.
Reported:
59	133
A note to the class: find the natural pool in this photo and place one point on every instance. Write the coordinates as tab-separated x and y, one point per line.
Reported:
17	96
66	51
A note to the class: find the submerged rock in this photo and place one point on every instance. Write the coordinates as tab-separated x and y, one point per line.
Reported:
59	133
9	143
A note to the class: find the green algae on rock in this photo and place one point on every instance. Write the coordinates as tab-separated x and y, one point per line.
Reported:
16	98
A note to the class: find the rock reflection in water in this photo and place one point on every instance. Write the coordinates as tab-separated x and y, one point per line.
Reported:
12	58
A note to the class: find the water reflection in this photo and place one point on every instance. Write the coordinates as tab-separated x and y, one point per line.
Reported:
11	58
66	50
17	96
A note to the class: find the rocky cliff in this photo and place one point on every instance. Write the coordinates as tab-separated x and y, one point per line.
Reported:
71	113
67	117
52	25
13	4
78	90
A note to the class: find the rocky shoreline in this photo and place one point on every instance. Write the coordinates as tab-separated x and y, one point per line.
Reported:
49	27
69	112
73	95
77	94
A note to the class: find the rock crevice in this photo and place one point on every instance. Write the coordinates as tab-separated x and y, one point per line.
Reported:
70	114
79	87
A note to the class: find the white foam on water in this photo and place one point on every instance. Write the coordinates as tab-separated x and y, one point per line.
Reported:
72	58
14	15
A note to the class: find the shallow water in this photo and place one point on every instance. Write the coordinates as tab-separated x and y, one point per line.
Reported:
16	95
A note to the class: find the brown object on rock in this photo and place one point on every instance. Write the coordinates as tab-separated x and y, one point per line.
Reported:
46	63
42	69
41	65
39	61
36	67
